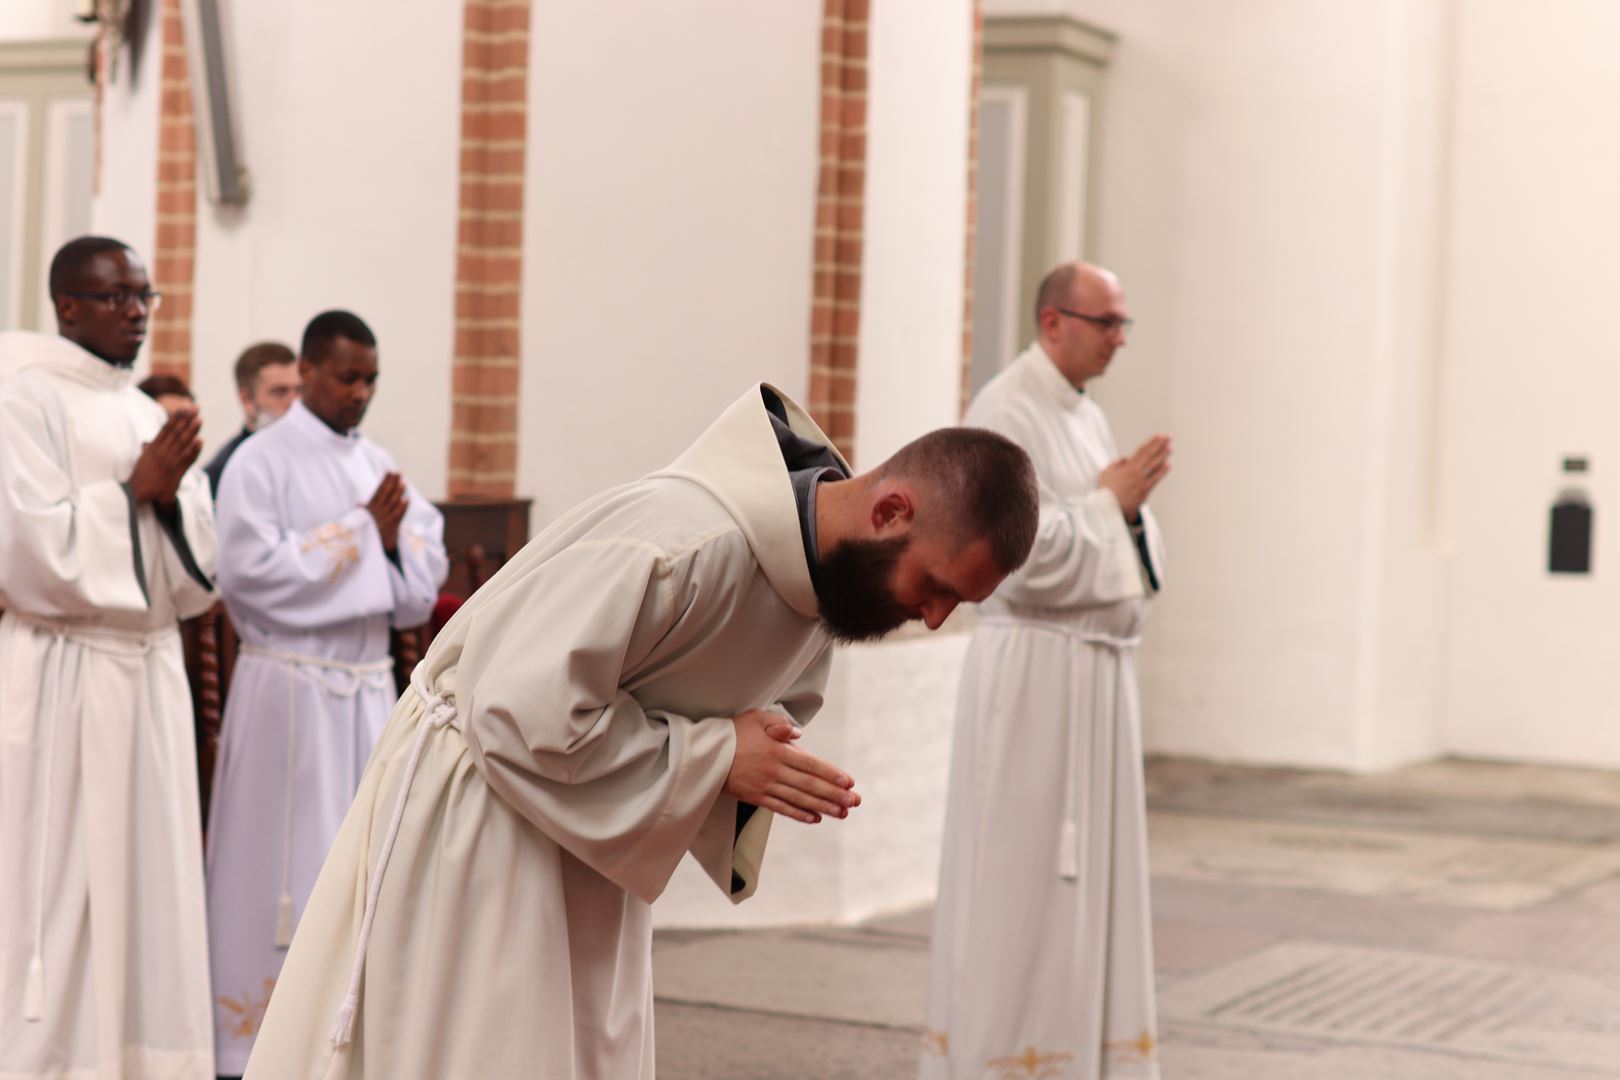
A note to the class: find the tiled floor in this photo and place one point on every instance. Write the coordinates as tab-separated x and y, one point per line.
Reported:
1451	921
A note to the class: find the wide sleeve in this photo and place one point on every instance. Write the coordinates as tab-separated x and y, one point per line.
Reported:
191	551
422	565
65	551
1084	554
731	845
623	789
296	578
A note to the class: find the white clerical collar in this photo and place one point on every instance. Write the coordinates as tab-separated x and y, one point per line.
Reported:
1056	383
300	418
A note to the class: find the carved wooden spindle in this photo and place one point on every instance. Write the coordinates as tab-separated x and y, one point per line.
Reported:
210	697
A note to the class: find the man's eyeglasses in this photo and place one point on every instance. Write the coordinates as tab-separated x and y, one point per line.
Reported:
123	299
1106	323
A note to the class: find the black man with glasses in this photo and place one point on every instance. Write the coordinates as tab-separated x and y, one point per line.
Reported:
106	541
1042	955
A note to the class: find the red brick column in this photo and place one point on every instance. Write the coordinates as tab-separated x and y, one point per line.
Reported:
835	313
173	258
975	83
489	259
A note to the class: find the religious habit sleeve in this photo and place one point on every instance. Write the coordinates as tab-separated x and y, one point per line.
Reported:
65	551
1084	554
422	564
296	578
191	554
731	844
550	725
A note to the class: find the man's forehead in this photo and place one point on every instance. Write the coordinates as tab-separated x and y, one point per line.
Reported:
120	266
1098	289
974	572
348	353
276	375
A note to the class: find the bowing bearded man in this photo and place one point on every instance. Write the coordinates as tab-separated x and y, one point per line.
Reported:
624	691
1042	945
106	539
324	551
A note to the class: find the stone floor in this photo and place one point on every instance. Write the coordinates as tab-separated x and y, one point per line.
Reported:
1451	921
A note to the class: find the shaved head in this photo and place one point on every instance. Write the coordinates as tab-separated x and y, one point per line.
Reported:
1072	284
1081	319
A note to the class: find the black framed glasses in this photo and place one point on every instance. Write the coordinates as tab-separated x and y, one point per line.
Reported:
122	299
1106	323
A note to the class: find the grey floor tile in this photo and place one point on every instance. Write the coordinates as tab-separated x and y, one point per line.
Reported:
1182	946
798	974
1505	1013
699	1043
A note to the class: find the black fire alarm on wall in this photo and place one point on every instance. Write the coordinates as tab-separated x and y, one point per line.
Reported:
1569	541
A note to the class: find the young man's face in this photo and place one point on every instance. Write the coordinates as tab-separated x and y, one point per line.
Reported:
338	387
274	391
108	314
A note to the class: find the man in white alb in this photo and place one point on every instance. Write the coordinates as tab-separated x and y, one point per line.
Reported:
106	540
324	550
1042	945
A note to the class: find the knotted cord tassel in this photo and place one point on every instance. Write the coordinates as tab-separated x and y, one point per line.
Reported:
284	922
343	1026
1068	860
34	990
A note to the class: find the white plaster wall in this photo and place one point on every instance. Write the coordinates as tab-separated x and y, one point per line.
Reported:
1256	198
33	20
671	201
888	721
916	208
1533	376
125	207
354	202
354	206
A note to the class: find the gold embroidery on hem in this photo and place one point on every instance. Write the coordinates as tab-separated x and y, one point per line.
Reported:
1031	1065
936	1043
249	1011
1138	1051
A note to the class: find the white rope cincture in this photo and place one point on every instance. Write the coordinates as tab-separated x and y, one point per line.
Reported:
372	673
439	713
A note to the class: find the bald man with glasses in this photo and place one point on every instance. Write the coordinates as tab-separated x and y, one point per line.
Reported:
1042	946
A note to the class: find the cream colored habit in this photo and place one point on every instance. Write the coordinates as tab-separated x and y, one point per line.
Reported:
103	944
571	731
1042	959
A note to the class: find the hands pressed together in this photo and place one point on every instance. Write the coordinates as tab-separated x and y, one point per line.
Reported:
387	508
768	771
1132	479
164	461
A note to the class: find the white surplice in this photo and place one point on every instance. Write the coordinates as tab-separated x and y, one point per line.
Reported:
103	940
1042	961
570	731
314	598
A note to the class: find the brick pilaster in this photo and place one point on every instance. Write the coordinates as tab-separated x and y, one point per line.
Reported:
174	254
489	254
835	313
